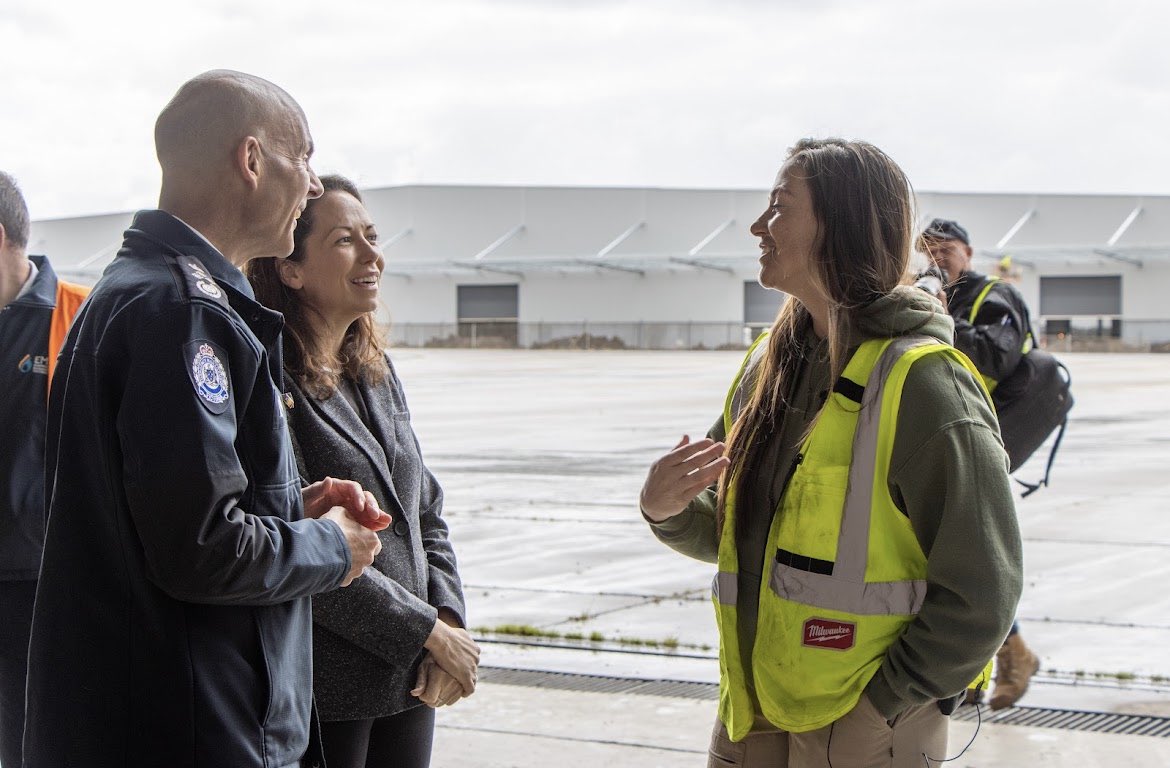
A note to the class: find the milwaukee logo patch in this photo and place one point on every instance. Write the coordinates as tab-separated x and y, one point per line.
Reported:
823	633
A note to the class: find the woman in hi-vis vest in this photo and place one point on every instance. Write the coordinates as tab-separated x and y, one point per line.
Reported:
853	492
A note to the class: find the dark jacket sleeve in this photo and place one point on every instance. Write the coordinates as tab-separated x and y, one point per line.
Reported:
444	587
443	583
995	340
185	484
377	614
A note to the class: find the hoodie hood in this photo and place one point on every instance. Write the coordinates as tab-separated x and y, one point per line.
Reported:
905	310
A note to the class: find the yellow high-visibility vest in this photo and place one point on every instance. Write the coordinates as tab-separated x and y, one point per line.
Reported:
1025	348
844	573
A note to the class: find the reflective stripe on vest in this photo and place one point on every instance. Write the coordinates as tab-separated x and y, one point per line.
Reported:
725	588
854	575
737	395
989	382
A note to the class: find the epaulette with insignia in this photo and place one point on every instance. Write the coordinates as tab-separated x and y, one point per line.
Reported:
198	280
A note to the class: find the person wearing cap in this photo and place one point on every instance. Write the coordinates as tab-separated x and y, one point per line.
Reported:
992	325
993	328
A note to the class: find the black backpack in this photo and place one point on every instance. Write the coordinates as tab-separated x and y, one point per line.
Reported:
1031	403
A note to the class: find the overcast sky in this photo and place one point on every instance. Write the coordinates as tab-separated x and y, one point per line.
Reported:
968	96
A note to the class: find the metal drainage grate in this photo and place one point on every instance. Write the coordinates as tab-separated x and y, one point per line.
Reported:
1034	717
1073	720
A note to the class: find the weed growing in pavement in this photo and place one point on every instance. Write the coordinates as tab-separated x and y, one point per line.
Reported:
671	643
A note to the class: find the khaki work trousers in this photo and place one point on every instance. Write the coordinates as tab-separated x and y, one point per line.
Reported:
860	739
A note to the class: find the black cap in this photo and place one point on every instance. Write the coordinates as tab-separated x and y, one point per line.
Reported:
945	229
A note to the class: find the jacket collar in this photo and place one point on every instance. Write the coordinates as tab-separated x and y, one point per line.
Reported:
176	235
43	289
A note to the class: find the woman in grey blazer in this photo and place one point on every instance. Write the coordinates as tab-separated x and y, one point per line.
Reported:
391	647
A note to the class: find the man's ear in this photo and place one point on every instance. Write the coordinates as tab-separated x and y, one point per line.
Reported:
249	161
290	274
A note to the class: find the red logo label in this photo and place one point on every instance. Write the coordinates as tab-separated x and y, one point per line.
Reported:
823	633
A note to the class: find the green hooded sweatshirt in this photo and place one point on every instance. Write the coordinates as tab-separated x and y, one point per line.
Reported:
948	474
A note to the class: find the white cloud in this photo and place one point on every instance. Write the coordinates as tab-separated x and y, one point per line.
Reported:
967	95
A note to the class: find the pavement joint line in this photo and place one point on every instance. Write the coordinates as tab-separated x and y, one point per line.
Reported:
1036	717
1071	680
551	519
1092	623
523	501
1089	543
702	593
643	602
577	739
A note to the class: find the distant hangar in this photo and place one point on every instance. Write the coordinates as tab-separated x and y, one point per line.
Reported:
675	268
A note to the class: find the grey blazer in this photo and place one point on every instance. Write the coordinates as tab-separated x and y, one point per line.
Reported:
368	637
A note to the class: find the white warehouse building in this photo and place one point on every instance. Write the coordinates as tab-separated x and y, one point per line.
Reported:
676	268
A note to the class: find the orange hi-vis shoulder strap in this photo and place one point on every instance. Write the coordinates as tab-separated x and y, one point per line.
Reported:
69	299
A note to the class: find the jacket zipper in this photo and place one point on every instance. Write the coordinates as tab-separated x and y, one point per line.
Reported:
792	471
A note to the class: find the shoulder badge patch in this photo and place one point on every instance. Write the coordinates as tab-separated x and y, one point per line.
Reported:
208	375
199	281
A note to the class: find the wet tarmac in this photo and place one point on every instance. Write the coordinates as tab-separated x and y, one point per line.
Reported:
542	455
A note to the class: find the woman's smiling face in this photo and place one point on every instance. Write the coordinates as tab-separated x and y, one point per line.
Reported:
340	273
789	236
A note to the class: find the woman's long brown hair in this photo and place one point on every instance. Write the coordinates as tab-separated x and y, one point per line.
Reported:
864	207
318	371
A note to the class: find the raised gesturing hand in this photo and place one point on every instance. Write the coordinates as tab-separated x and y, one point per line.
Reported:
680	476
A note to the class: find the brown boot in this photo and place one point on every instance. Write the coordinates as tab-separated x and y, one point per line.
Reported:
1014	667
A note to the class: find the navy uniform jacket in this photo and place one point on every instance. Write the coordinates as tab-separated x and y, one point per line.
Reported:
24	370
172	623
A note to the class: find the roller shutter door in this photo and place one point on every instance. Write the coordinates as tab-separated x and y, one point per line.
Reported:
760	305
1071	296
488	302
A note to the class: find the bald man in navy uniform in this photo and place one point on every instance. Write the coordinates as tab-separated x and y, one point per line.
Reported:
172	621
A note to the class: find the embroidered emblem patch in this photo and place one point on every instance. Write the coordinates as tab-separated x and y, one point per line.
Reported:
824	633
209	376
211	289
202	280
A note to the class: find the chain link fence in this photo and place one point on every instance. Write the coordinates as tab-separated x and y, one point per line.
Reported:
1127	336
1107	336
577	335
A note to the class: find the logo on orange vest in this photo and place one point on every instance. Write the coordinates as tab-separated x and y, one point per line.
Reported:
823	633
